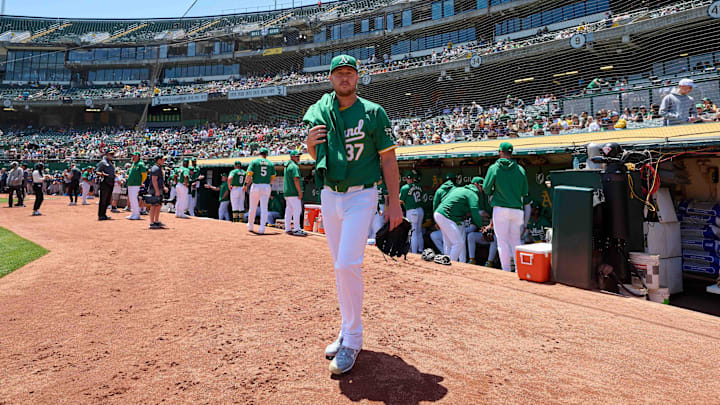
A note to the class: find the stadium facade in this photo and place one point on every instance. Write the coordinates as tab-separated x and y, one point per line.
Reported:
508	47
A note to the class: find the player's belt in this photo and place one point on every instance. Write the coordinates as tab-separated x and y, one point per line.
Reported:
346	189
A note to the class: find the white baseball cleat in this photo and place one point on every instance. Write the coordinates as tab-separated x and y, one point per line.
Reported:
344	360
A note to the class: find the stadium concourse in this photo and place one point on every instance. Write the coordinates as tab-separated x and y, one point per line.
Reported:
218	315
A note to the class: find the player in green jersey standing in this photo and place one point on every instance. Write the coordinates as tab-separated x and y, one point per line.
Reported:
237	192
260	175
411	198
134	181
183	181
292	190
350	138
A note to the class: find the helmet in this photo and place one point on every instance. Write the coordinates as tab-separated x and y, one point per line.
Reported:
612	150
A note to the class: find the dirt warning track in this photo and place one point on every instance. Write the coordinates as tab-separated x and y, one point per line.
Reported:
204	312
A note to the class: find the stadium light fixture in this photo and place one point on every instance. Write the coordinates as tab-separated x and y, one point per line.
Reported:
608	67
525	80
682	55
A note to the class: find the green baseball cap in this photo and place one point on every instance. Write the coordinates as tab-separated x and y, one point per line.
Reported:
186	160
223	175
137	154
343	60
294	153
410	173
477	180
194	159
264	151
506	147
238	163
449	176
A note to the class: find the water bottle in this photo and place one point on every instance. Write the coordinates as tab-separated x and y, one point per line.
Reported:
576	163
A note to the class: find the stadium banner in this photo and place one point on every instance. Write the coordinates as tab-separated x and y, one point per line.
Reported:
272	51
259	92
183	98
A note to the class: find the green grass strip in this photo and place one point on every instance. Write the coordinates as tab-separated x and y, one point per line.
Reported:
16	252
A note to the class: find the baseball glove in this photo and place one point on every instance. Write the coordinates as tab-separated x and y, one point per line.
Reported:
394	243
489	235
442	259
428	255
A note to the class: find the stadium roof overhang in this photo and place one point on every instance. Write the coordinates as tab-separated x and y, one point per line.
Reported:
684	136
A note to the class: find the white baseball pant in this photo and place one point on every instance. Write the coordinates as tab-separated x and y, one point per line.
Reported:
192	201
415	216
85	191
259	193
438	240
343	215
223	213
182	200
508	223
293	209
133	192
453	234
237	198
474	238
377	222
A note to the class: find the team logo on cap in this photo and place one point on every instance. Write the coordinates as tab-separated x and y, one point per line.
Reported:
344	59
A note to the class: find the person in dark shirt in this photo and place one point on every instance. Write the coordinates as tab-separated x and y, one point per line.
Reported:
106	171
74	185
156	188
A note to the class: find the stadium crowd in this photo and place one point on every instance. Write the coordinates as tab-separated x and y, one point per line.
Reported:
441	124
35	91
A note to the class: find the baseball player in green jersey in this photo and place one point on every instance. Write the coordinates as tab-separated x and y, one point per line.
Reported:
379	218
411	198
237	192
506	184
260	175
350	138
182	187
535	229
195	179
292	190
224	197
85	185
440	193
134	181
451	213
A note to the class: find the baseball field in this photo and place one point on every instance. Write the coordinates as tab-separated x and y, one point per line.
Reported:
203	312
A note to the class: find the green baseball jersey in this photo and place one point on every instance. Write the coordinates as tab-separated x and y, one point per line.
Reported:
441	192
86	175
262	171
183	173
411	196
461	200
367	135
275	204
237	177
537	228
224	189
311	192
195	174
135	173
292	172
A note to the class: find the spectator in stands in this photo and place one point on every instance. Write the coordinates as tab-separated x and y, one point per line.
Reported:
678	107
708	106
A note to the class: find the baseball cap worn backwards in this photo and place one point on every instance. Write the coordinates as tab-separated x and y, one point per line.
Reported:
477	180
343	60
506	147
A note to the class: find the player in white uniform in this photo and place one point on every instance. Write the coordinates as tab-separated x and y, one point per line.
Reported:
349	139
237	192
260	175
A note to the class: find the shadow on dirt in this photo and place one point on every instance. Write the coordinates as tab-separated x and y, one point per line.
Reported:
389	379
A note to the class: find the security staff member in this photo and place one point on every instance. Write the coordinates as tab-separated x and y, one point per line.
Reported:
506	184
106	171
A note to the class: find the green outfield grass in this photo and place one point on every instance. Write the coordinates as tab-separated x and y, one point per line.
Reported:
3	200
16	252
